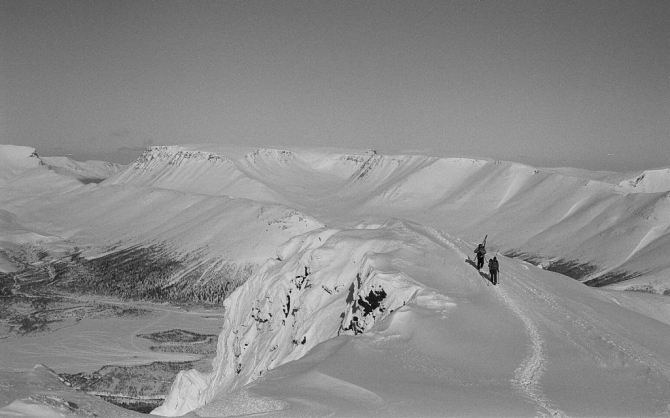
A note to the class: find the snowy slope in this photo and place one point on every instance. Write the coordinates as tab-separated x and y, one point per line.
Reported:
212	237
442	342
560	216
362	301
589	221
15	159
648	181
86	172
25	183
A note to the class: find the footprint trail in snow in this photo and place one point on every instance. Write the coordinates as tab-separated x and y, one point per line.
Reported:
527	376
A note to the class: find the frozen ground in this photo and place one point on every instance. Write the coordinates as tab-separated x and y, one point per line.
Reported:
92	343
87	345
364	300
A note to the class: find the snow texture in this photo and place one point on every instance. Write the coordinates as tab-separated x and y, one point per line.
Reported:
364	300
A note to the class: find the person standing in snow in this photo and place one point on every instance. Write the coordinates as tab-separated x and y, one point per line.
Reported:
493	270
480	251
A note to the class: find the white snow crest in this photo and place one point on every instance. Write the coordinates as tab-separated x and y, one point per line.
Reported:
14	159
162	163
325	283
193	171
268	155
649	181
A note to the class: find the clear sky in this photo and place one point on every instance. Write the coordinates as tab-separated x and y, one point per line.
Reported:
567	83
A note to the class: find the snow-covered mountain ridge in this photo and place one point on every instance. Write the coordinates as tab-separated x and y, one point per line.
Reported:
649	181
14	160
587	224
360	298
189	165
287	346
323	284
563	218
213	239
87	172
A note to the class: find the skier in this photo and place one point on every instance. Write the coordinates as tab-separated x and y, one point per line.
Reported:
480	251
493	270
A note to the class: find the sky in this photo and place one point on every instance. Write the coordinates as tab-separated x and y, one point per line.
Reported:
547	83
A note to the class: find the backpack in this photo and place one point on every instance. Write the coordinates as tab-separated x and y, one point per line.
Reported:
493	265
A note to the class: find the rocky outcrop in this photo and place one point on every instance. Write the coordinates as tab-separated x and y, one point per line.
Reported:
322	284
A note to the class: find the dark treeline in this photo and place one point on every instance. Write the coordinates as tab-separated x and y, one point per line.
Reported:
148	273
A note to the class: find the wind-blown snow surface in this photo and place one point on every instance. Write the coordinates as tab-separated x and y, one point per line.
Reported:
442	343
362	301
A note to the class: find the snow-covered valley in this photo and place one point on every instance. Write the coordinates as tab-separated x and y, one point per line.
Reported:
348	277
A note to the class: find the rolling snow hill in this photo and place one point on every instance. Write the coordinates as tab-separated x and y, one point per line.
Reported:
357	294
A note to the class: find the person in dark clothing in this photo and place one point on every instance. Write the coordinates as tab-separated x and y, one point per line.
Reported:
480	251
494	267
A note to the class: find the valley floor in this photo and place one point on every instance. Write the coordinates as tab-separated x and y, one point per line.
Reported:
106	346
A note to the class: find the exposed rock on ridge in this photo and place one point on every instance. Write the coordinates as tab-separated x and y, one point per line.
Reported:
322	284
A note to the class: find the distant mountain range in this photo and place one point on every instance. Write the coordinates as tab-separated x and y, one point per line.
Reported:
306	246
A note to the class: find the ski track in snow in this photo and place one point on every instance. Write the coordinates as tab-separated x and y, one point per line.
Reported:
589	323
527	376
